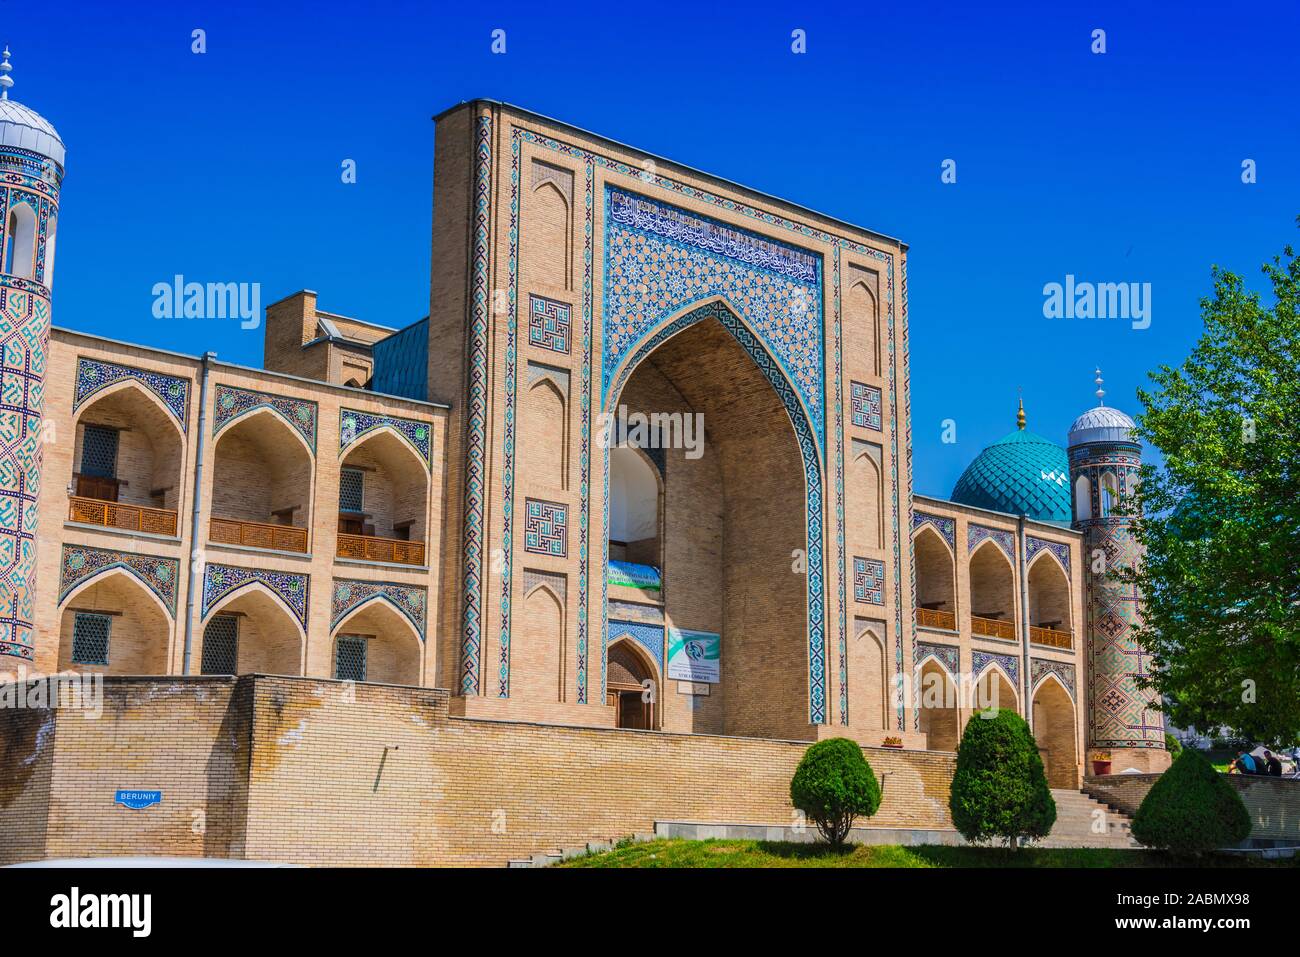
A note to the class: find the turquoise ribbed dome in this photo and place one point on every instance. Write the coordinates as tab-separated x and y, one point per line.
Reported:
1021	473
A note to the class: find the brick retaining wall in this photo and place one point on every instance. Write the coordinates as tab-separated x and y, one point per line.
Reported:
313	771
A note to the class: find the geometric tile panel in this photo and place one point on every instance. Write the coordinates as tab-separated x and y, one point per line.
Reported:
982	660
24	335
948	656
865	402
93	375
1035	545
81	563
220	580
353	425
977	533
546	526
349	594
548	324
660	258
947	527
231	403
869	580
649	637
1041	667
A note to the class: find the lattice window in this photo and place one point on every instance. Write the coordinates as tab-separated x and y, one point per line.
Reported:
352	488
99	451
90	638
221	645
350	658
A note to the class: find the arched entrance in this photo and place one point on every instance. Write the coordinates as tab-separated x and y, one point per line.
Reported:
1054	730
936	606
251	630
1049	603
740	480
389	644
937	696
631	688
114	625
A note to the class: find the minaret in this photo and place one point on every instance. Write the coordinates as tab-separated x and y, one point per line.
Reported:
31	172
1104	461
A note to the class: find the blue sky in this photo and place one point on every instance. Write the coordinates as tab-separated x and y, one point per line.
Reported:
1119	167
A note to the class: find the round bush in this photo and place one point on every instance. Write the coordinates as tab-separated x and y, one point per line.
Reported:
999	789
1191	809
1172	745
834	784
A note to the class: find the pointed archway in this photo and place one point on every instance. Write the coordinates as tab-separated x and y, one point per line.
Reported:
738	470
757	484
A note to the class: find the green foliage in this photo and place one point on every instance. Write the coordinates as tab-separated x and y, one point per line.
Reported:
834	784
1220	518
1172	744
1191	809
999	788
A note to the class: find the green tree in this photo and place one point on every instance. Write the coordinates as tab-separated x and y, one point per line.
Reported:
1220	518
834	784
999	788
1191	809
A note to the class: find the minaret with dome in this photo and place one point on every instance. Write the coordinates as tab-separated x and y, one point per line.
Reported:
1104	461
31	161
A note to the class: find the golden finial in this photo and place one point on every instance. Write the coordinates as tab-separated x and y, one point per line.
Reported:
1020	416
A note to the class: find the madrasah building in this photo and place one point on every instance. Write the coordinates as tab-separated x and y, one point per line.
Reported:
438	506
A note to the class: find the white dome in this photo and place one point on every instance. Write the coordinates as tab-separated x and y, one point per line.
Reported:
28	130
1102	424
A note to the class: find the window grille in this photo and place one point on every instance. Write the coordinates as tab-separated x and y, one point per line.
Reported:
221	645
99	451
350	658
352	483
90	638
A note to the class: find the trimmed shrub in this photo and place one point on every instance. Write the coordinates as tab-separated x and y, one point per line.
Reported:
999	789
1191	809
834	784
1173	745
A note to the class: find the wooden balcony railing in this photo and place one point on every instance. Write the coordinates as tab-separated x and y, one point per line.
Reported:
232	531
372	548
992	627
933	618
133	518
1051	637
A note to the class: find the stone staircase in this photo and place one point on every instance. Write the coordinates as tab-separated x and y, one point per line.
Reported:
546	859
1077	815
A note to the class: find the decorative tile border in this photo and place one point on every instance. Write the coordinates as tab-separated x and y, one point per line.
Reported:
93	376
355	425
1035	545
476	414
660	259
231	403
221	580
24	338
947	655
650	637
975	534
350	594
1040	668
946	527
81	563
982	661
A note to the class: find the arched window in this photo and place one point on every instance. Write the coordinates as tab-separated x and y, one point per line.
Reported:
21	238
1082	498
1109	494
633	507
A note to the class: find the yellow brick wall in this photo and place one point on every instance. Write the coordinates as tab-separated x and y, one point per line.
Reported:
296	770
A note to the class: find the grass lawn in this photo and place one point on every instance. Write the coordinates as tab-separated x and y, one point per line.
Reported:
678	852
